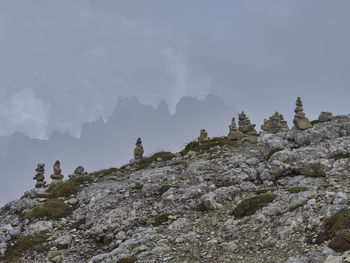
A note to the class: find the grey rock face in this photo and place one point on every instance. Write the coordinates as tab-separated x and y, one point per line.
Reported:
181	210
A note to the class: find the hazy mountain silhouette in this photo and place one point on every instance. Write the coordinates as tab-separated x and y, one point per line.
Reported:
104	144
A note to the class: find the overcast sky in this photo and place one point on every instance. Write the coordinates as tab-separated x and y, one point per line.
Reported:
64	62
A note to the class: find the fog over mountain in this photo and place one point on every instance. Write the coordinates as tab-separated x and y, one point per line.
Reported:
110	143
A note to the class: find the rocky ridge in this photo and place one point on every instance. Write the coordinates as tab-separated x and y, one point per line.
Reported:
262	198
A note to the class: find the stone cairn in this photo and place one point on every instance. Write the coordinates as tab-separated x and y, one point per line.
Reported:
234	133
40	177
300	121
275	124
79	171
325	116
57	177
245	126
138	151
203	136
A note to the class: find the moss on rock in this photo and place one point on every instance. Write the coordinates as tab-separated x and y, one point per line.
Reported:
25	244
51	209
126	260
69	187
341	241
251	205
161	219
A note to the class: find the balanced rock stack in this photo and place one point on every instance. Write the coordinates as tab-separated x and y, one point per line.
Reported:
203	136
300	121
57	176
245	126
234	133
40	177
79	171
275	124
325	116
138	151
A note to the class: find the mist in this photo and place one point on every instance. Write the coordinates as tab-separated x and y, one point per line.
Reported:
64	64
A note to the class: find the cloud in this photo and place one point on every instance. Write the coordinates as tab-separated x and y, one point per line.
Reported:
182	83
25	113
79	59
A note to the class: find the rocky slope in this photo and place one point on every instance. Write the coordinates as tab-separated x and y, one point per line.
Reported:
271	198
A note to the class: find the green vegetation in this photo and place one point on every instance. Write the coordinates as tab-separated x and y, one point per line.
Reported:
24	244
251	205
341	156
341	241
69	187
297	189
106	171
272	152
161	219
212	142
202	207
137	187
51	209
163	189
339	221
146	162
126	260
262	191
334	229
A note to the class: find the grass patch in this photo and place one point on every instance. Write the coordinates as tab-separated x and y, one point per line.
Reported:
251	205
161	219
210	143
341	156
24	245
272	152
297	189
341	241
51	209
137	187
263	191
69	187
146	162
338	222
126	260
202	207
106	171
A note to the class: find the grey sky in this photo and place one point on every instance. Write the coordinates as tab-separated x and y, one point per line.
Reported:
64	62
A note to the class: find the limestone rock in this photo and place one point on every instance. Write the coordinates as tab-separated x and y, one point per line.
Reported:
325	116
79	171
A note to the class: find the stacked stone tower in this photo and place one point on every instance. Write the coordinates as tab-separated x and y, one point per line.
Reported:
138	151
300	121
40	177
234	133
57	177
203	136
275	124
325	116
245	126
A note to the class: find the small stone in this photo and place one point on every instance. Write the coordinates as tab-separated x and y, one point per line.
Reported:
73	201
120	235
